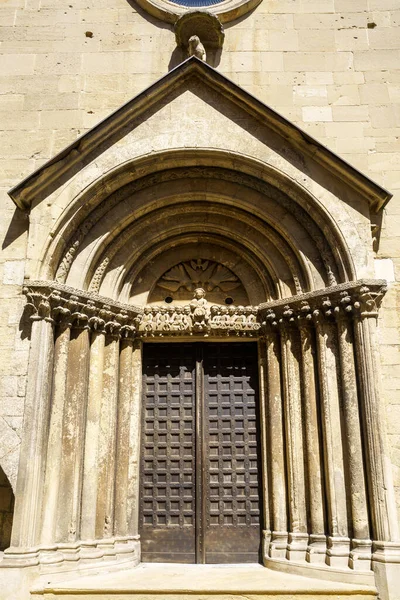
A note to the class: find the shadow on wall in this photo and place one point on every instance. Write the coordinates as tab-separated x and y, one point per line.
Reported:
6	510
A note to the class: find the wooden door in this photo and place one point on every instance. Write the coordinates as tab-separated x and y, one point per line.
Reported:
200	464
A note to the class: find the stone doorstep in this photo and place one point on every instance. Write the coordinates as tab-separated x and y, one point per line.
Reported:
199	582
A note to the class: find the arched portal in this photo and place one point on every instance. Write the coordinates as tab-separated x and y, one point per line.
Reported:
201	248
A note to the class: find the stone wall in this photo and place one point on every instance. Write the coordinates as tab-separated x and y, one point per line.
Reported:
331	66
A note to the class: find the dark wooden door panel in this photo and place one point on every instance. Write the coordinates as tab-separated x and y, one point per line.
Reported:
167	499
200	465
232	530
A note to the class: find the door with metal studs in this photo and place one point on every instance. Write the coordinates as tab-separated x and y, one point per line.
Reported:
200	497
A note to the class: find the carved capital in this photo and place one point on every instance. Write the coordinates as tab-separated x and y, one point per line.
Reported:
369	300
70	307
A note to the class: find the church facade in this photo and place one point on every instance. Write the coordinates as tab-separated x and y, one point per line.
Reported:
200	312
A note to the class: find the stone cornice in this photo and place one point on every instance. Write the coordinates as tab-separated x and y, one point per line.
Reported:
62	304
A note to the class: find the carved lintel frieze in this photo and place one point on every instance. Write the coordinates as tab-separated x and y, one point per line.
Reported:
199	318
61	304
64	305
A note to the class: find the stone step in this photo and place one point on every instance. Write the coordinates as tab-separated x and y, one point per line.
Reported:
200	582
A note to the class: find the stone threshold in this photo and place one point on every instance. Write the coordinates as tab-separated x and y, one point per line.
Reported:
203	581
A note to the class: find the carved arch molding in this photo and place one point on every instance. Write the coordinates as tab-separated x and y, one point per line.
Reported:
329	496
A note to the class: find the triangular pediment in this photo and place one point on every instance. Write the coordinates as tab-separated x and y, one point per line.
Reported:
205	96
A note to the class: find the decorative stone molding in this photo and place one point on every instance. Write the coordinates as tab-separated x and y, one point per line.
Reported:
59	303
325	245
117	551
358	298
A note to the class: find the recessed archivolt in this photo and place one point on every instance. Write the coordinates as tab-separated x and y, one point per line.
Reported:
251	235
88	240
189	193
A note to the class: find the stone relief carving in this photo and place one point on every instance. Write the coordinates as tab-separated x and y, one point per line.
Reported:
199	317
64	305
199	273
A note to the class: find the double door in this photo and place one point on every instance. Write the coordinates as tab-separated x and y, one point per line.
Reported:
200	497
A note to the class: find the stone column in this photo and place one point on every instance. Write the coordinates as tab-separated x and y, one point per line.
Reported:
90	469
125	391
107	440
54	445
383	512
328	367
360	556
31	474
386	545
69	505
263	368
135	440
276	447
298	536
316	550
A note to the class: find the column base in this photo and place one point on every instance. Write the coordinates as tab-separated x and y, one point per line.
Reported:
316	549
386	567
360	555
278	544
337	554
80	554
297	546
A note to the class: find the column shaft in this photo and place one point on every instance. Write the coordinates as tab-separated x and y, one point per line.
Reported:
262	361
123	426
276	448
379	468
135	439
31	473
361	544
54	446
316	498
298	537
90	469
338	542
69	505
107	441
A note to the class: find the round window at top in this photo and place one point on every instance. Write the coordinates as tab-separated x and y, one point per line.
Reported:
225	10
